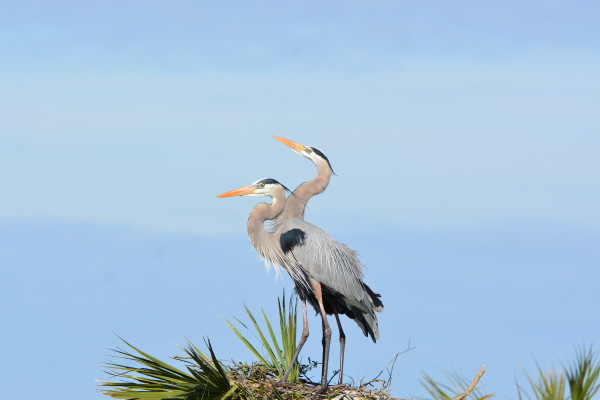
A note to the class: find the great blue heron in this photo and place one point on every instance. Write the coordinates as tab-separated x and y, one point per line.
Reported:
294	209
324	271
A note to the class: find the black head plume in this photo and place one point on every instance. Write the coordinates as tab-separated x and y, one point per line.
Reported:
323	156
271	181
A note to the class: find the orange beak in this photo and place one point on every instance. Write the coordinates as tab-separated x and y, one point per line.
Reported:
238	192
293	145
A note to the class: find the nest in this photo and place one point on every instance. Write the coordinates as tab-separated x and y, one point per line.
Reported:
259	383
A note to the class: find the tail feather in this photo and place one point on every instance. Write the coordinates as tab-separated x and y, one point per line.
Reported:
377	303
366	321
361	313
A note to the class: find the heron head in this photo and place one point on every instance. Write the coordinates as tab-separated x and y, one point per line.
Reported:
312	153
262	187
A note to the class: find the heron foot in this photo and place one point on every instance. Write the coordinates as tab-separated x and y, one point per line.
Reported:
321	389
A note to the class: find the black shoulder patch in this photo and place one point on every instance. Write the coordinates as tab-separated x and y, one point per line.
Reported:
290	239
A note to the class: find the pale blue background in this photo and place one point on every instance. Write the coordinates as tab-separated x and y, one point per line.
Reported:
465	136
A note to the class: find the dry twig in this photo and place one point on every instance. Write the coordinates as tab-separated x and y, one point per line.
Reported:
472	386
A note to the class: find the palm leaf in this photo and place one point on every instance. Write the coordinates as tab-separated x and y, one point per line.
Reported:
274	359
583	375
279	360
246	341
288	327
279	352
549	385
152	379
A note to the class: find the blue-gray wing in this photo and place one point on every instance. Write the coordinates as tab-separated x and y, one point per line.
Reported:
337	268
329	262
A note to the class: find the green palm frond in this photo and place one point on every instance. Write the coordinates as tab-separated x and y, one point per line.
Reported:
583	375
279	352
549	385
152	379
581	378
269	361
288	320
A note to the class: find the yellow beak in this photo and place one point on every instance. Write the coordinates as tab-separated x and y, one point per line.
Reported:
238	192
293	145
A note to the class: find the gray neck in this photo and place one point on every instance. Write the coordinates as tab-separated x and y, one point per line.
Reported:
294	208
266	244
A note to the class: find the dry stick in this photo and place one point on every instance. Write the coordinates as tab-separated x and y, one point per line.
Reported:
472	386
392	363
469	389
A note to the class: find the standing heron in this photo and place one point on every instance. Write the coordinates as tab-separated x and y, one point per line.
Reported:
294	209
324	271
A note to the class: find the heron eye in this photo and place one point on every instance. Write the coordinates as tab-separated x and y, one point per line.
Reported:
309	150
262	185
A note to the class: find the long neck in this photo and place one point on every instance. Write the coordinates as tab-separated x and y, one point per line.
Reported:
266	244
295	205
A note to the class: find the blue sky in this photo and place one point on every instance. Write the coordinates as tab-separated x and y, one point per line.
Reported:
465	137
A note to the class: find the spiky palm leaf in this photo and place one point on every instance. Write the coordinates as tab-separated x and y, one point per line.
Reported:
278	355
549	385
581	378
583	375
205	378
288	320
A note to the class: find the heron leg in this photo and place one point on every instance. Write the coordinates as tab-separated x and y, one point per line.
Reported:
326	335
300	344
342	344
